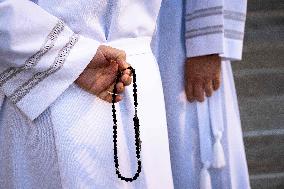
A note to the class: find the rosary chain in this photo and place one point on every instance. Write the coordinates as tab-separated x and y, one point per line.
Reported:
136	129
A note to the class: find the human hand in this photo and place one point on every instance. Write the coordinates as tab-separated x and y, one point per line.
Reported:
99	76
202	76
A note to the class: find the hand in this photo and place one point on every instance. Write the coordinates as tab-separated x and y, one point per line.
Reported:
99	76
202	76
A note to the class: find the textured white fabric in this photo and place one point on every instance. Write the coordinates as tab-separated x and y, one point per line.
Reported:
69	144
23	30
59	136
182	117
82	152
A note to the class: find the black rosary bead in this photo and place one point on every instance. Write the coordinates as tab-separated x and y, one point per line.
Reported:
136	129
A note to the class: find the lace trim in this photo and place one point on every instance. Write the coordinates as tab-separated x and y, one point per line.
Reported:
59	61
34	59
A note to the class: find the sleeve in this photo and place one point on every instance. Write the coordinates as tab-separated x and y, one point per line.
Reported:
40	56
215	27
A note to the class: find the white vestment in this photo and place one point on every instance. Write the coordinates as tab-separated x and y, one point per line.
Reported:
197	129
54	134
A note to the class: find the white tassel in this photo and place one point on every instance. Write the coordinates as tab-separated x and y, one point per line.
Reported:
218	153
205	179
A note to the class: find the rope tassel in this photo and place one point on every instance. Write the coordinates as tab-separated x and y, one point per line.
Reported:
217	127
206	151
218	153
205	179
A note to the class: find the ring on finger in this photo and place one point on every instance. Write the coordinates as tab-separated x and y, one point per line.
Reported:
111	93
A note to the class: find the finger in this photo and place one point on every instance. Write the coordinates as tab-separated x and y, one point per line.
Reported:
119	56
216	83
120	87
110	92
126	80
198	90
121	61
118	98
108	98
189	91
208	88
122	65
128	72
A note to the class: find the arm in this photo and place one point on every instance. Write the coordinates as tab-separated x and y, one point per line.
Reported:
215	27
234	13
214	31
40	56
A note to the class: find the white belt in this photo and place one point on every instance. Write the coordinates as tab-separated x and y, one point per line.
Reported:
132	46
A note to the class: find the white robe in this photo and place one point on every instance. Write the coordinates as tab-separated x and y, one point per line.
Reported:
209	27
54	134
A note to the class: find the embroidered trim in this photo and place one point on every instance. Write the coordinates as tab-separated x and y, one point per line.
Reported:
34	59
209	30
204	13
231	15
233	34
59	61
204	31
207	10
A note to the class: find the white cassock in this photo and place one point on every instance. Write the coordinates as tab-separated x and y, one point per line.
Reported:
206	143
54	134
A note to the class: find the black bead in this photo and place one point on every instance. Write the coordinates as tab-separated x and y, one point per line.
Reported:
136	129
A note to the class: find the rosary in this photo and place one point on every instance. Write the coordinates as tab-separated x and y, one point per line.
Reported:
136	129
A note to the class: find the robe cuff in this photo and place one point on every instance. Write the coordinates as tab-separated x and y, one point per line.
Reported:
204	33
48	90
232	50
234	25
215	30
204	45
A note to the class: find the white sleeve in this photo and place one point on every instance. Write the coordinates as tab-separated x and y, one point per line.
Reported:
39	56
215	27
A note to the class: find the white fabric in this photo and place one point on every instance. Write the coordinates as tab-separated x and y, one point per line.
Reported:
59	136
86	155
184	118
24	18
215	27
